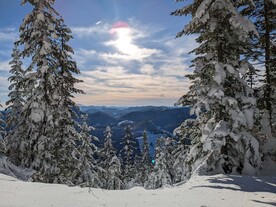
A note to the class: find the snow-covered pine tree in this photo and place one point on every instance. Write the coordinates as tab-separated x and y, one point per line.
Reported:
65	108
114	181
146	158
127	153
15	105
186	132
264	17
16	102
169	146
45	131
110	164
142	162
88	165
107	151
222	100
264	53
138	167
160	175
146	167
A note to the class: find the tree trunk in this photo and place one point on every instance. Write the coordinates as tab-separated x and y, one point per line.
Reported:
267	61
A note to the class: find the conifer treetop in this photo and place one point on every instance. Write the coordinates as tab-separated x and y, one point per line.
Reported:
35	2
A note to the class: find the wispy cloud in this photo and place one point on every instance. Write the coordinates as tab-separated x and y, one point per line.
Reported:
7	35
4	66
147	69
85	56
97	29
120	86
136	53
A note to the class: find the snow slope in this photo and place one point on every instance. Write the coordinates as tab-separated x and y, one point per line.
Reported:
200	191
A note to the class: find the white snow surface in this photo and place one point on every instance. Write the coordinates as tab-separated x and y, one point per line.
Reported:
200	191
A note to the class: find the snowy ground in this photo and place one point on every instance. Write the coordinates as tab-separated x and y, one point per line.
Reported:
200	191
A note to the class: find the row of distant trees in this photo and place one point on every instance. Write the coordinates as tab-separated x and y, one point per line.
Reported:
130	167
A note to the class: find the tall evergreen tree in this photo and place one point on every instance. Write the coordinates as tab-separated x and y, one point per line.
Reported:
264	17
129	145
107	151
138	171
146	158
264	54
88	165
16	102
46	130
110	164
146	161
222	100
161	175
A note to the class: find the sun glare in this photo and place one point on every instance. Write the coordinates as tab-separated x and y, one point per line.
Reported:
123	39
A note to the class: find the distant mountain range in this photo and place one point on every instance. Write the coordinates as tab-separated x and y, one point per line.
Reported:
119	111
158	121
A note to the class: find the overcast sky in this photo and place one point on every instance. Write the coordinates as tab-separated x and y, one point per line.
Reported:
126	49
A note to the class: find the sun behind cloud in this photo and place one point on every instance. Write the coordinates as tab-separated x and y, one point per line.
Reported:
123	40
128	67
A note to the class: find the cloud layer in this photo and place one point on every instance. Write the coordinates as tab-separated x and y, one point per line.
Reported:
132	64
122	63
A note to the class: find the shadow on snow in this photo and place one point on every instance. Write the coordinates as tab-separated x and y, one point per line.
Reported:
243	183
